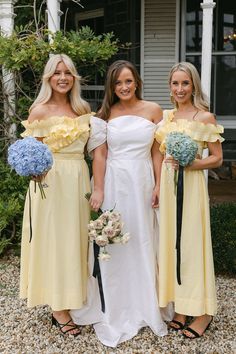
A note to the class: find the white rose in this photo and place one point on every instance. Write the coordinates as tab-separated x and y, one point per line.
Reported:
107	214
109	231
118	226
125	238
116	239
92	235
98	224
114	216
91	226
101	240
104	256
103	218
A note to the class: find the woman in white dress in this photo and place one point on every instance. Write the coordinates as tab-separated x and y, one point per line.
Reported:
131	185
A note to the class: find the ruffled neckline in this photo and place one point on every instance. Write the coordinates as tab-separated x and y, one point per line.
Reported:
186	121
198	131
51	120
58	131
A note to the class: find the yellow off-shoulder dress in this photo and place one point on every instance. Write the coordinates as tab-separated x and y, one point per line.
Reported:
54	264
196	295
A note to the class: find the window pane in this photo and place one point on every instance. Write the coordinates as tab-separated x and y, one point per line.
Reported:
225	73
223	78
226	26
193	26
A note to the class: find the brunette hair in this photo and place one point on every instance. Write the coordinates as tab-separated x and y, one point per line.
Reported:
110	97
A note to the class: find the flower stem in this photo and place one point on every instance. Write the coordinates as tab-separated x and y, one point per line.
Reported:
43	195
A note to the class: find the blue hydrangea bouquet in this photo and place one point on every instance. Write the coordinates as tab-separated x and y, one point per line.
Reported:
30	157
182	148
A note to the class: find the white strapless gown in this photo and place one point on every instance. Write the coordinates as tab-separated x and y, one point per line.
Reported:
130	276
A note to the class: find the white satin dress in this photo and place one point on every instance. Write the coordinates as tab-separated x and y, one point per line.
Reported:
130	277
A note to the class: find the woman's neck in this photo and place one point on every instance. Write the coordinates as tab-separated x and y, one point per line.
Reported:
60	100
184	108
127	105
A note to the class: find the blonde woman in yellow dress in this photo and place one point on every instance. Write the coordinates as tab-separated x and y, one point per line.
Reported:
54	263
195	296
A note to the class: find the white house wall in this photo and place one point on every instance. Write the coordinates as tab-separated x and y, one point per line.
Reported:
159	48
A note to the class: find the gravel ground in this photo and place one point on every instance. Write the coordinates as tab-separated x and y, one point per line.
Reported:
26	331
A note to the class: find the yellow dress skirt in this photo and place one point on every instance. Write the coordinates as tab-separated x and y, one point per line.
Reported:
196	295
54	263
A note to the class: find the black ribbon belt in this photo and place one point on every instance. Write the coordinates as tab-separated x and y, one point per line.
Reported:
97	274
30	216
179	213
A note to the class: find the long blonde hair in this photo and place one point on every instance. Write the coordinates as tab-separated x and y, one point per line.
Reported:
78	105
110	97
199	99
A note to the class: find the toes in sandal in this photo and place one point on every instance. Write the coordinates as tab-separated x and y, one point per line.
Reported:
67	324
195	334
178	323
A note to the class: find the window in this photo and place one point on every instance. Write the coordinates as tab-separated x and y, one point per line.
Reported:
223	102
93	91
93	19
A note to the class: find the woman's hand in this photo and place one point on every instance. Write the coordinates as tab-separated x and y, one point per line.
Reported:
171	161
155	197
39	178
96	199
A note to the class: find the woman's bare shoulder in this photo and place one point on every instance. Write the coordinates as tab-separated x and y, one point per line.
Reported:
154	111
206	117
39	112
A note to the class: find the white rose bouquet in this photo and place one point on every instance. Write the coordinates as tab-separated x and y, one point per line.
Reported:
106	228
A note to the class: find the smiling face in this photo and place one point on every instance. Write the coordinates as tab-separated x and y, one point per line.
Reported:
125	85
62	80
181	87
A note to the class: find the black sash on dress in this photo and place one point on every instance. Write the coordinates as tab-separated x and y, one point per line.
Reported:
179	213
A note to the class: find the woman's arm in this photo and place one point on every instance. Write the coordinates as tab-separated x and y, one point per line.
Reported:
99	168
157	159
214	159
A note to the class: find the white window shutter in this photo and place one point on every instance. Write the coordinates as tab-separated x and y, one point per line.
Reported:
159	49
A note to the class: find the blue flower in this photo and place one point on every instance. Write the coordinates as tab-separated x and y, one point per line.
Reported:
181	147
29	157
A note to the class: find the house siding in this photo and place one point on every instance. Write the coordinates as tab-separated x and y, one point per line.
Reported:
159	52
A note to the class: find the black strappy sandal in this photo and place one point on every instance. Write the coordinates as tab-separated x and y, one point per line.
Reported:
67	324
178	323
196	334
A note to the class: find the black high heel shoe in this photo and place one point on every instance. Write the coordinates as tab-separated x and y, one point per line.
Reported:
196	334
67	324
177	323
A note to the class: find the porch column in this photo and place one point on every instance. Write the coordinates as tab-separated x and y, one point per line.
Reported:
6	27
54	13
207	23
207	6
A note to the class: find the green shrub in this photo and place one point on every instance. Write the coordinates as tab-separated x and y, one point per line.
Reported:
13	189
223	230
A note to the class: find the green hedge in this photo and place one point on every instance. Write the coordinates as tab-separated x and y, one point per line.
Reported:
223	230
13	189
